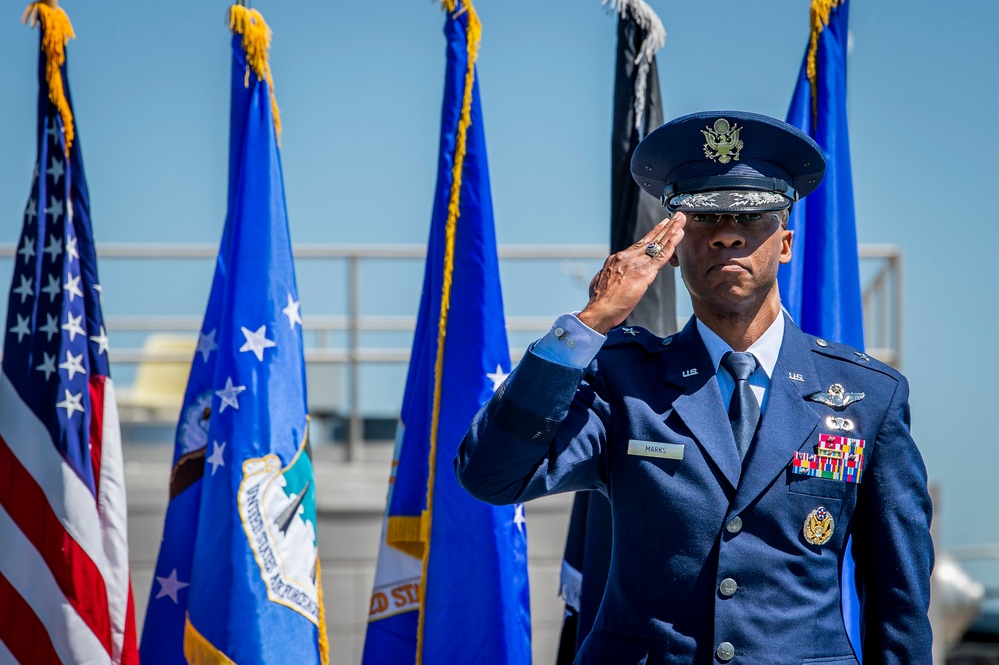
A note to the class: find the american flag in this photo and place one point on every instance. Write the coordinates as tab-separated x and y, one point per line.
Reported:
65	594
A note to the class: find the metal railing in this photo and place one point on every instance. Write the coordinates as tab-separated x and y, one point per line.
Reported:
882	293
881	276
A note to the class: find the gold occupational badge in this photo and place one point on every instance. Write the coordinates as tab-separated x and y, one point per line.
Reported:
723	144
818	527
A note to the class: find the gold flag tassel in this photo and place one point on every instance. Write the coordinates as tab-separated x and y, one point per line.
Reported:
821	9
56	32
257	43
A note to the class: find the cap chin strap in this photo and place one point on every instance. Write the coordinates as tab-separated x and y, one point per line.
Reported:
716	182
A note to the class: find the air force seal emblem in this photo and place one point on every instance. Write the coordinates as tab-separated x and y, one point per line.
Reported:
723	144
277	507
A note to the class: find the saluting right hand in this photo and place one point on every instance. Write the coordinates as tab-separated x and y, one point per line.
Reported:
625	277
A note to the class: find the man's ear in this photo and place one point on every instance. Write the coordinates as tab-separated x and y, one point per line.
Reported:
786	237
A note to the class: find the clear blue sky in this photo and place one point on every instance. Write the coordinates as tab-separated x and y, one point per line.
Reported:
359	85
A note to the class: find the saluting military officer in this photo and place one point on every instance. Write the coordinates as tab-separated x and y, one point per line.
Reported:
769	504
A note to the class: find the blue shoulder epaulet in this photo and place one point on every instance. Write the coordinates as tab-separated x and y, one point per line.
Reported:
624	335
851	355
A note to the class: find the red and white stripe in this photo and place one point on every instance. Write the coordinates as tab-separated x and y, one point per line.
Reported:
65	594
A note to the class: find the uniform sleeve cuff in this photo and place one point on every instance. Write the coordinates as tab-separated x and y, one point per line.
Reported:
570	342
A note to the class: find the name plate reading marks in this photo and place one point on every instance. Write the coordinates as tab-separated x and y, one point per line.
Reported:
655	449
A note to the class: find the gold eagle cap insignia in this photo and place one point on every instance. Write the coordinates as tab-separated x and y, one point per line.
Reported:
723	143
836	397
818	528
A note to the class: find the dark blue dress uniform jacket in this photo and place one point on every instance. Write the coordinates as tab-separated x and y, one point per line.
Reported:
682	527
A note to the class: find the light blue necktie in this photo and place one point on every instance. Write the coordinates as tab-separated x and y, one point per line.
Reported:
743	410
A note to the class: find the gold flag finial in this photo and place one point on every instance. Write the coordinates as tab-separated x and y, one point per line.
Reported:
56	33
257	43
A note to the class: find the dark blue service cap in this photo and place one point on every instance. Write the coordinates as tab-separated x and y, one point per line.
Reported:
727	161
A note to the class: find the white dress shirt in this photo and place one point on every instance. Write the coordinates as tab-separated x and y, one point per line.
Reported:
766	349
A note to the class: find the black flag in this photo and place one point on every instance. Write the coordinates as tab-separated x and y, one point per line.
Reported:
637	110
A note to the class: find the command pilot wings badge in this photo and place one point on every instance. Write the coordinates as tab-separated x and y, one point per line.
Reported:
723	144
836	397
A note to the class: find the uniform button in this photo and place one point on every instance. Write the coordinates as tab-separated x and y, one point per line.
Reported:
725	651
734	525
559	332
728	587
821	342
570	342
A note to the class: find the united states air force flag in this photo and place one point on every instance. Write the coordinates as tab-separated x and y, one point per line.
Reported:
451	584
820	287
237	579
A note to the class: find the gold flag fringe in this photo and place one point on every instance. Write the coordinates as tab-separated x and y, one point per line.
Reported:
405	533
257	43
56	33
324	642
198	650
820	12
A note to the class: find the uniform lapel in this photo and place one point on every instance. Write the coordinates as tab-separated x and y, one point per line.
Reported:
788	421
700	405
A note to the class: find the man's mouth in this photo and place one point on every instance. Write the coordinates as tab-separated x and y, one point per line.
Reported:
729	266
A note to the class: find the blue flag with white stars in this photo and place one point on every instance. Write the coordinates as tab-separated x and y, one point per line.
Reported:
451	582
238	574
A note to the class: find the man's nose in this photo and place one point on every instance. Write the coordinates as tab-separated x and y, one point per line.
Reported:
727	233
